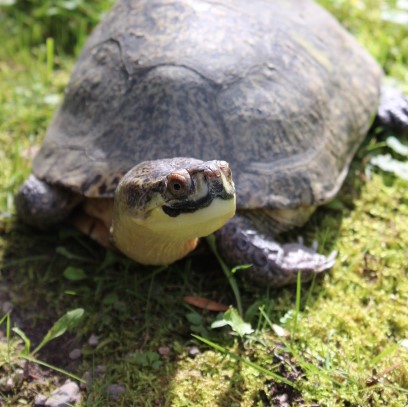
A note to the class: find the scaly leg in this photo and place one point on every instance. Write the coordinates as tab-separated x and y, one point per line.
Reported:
273	263
43	205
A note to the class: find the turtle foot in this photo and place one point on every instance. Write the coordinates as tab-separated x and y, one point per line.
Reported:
295	257
393	111
273	263
42	205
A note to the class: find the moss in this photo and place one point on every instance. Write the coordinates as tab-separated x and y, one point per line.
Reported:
344	349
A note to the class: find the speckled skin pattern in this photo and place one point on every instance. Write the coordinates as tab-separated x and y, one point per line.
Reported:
149	178
276	88
243	241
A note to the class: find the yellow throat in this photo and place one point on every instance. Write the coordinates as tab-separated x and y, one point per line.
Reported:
160	239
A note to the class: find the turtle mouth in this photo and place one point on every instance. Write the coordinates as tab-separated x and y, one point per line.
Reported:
191	206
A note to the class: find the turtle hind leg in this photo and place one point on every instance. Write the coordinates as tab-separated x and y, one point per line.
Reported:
393	111
42	205
273	263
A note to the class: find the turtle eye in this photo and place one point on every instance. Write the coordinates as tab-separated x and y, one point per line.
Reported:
177	185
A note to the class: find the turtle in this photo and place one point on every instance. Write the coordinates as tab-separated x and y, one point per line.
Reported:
168	98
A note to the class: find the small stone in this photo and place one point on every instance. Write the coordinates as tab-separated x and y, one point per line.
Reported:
12	381
19	374
6	384
164	350
7	307
193	351
66	395
87	378
114	391
40	400
75	354
100	370
58	400
93	340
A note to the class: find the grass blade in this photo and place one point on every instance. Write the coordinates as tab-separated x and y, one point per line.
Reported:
56	369
297	306
230	276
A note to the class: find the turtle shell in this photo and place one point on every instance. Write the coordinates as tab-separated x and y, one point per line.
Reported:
276	88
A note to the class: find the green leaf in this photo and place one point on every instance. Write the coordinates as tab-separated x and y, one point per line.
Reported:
385	353
70	4
70	256
241	267
389	164
397	146
23	336
234	320
111	299
146	359
403	343
282	332
194	318
68	321
74	274
399	17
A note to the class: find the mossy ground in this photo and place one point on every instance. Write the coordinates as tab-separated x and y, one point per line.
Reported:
344	345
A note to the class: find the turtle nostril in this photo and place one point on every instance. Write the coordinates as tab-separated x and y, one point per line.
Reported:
209	174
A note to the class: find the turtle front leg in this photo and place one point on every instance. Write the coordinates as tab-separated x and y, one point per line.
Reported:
42	205
95	220
393	110
92	227
273	263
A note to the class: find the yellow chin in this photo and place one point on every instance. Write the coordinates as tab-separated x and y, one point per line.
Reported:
190	225
162	239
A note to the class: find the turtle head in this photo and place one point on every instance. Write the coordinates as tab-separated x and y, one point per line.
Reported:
163	206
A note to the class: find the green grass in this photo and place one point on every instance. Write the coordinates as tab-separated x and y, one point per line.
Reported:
339	340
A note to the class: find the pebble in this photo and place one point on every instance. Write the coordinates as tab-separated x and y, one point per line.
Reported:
114	391
12	381
193	351
164	350
6	384
87	378
7	307
100	370
66	395
40	400
75	354
93	340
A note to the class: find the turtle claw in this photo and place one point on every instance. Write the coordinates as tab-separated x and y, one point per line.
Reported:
314	246
299	258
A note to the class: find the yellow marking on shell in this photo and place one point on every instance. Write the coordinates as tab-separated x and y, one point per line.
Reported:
160	239
309	47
